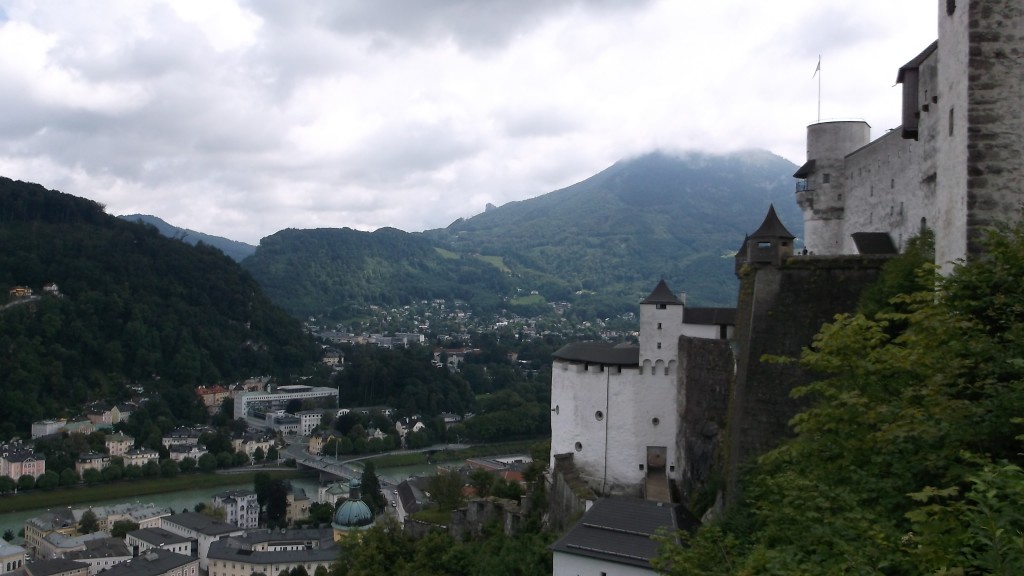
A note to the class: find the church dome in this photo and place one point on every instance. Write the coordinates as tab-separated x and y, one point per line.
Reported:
352	514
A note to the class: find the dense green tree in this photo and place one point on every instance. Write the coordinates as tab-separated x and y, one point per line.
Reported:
48	480
8	535
482	481
122	527
207	463
187	465
370	486
26	482
68	477
88	523
169	468
277	503
446	490
258	455
92	476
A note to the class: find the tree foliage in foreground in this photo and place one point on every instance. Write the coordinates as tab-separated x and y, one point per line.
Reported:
909	460
388	550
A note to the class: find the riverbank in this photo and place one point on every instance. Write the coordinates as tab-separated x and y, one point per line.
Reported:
478	451
134	489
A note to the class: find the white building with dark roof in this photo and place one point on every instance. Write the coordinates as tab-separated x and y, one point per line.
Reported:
139	541
202	529
240	507
270	552
102	554
12	557
615	407
157	562
613	537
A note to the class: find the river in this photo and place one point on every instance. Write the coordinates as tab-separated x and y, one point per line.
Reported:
187	499
176	501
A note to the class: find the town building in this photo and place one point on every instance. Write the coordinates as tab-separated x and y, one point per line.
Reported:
118	444
157	562
249	441
309	420
39	527
140	456
12	557
272	552
18	459
91	461
179	452
201	529
143	539
101	554
213	396
56	567
614	537
246	403
240	507
47	427
181	437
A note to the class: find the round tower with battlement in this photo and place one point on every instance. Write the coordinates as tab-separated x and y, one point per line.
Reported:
820	189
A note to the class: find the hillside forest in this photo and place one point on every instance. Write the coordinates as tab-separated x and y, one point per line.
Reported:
134	308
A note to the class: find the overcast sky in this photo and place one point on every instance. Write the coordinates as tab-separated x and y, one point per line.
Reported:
242	118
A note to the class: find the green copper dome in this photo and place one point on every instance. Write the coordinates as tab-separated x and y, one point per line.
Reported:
352	514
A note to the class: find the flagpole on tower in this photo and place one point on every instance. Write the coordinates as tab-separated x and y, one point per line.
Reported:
817	72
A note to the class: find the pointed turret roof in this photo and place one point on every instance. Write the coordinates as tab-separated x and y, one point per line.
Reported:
661	295
772	227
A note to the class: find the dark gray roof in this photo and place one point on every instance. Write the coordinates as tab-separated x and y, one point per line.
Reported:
157	536
661	295
150	563
618	530
621	354
240	549
874	243
201	523
102	548
916	61
805	170
772	227
54	566
710	316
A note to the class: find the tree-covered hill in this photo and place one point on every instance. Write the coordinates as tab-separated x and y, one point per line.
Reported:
135	307
337	271
657	215
600	244
238	251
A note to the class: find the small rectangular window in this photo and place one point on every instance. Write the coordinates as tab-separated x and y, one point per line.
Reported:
826	178
950	120
659	345
641	466
659	325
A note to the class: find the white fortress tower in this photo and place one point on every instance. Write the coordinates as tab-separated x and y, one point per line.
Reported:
615	407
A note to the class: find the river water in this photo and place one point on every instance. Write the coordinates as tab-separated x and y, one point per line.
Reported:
185	499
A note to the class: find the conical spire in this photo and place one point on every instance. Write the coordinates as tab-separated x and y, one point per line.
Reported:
661	295
772	227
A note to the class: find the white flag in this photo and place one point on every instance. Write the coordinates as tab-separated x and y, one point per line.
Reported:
818	68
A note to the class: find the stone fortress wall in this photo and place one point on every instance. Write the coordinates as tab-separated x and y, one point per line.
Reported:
954	165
